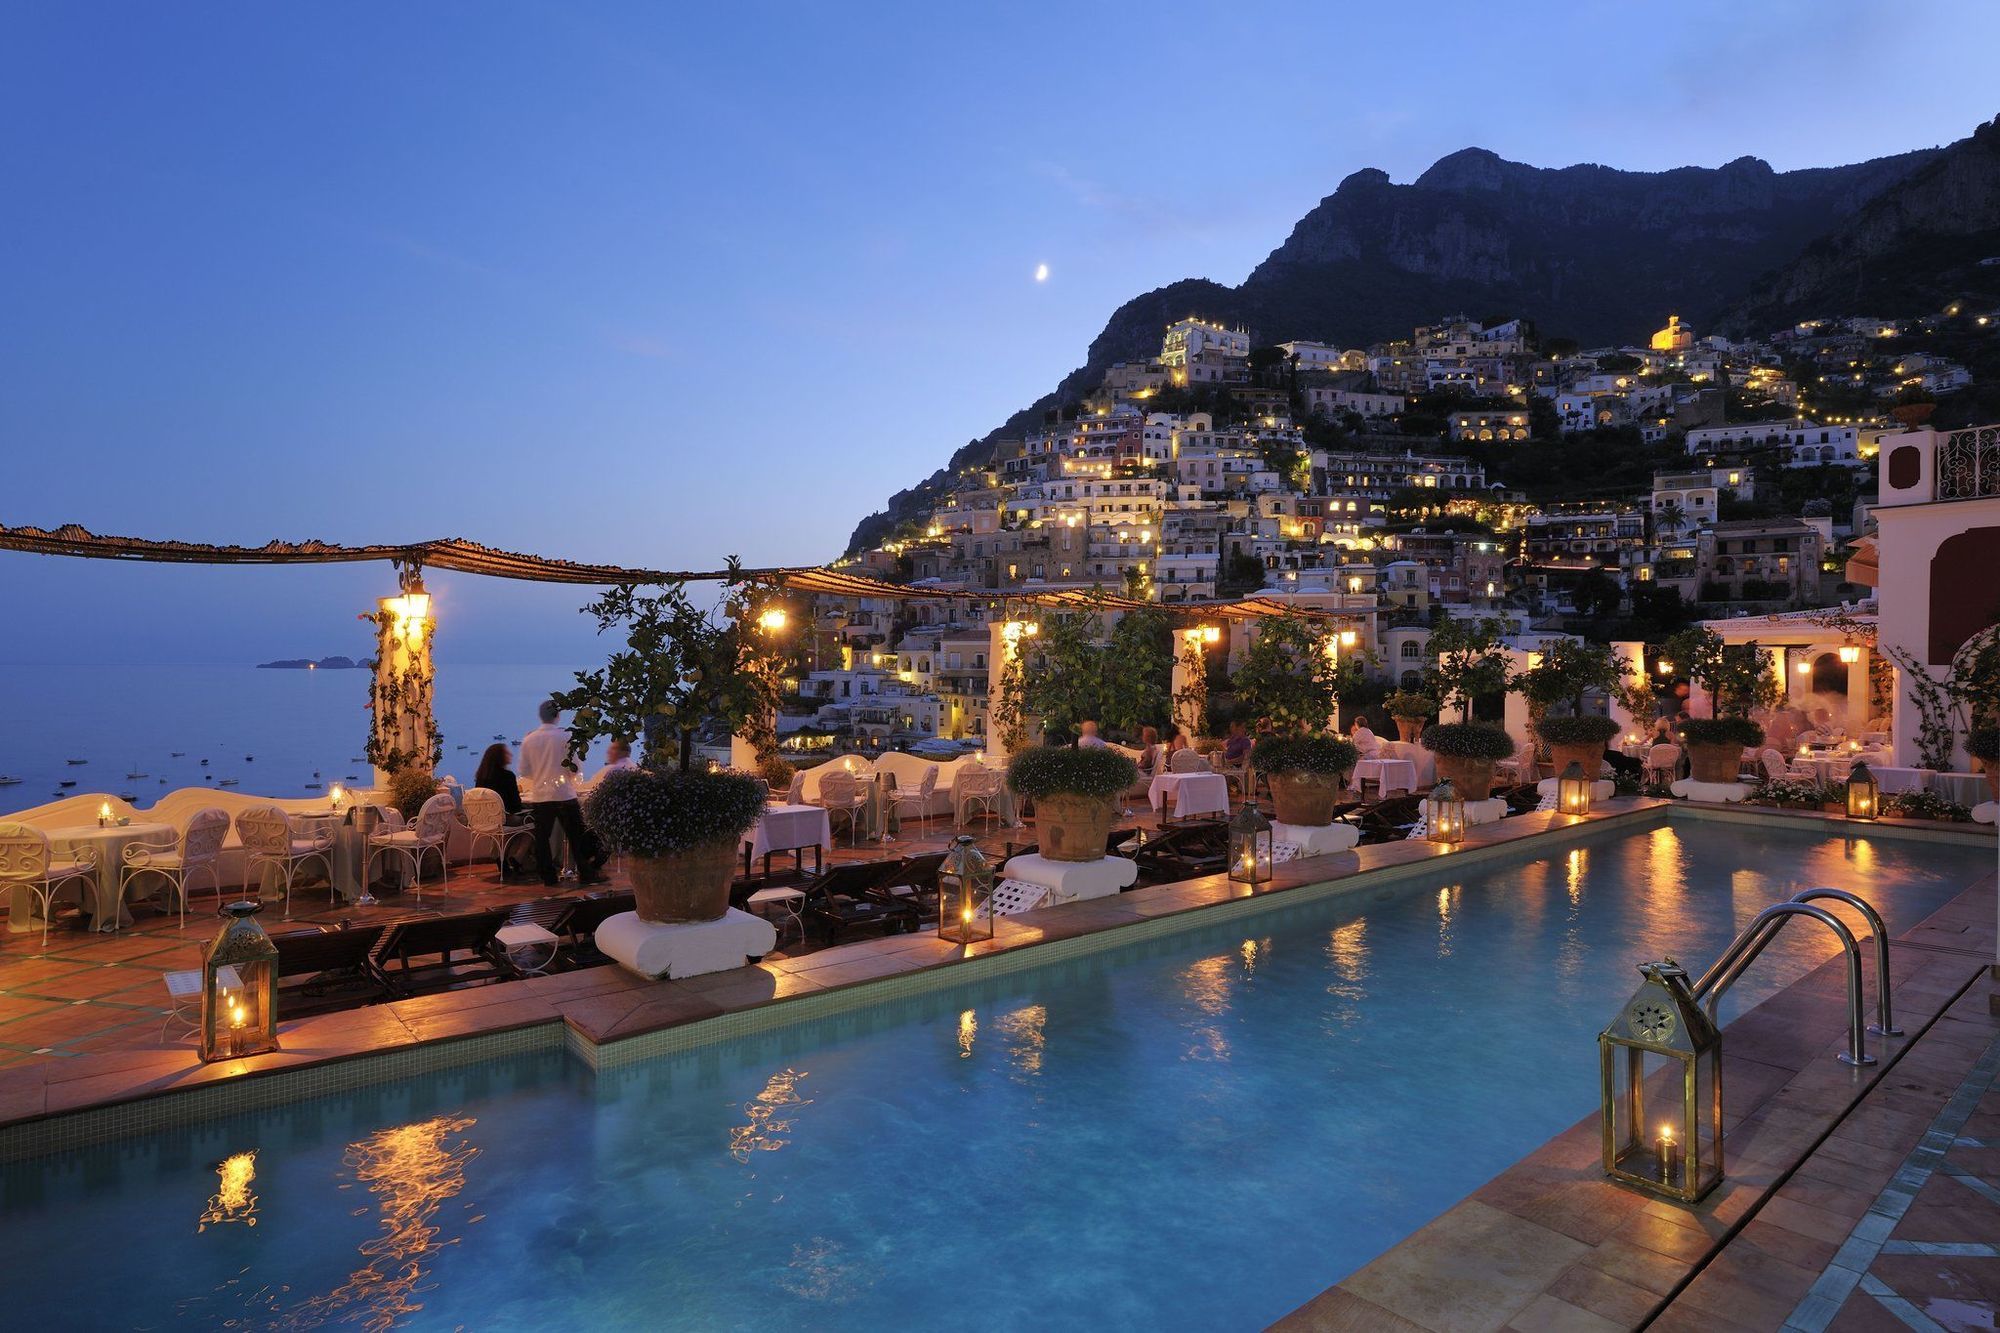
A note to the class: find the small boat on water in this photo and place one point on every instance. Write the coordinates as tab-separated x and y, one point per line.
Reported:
249	758
177	754
204	763
128	796
76	761
227	782
138	775
66	784
499	736
312	786
9	780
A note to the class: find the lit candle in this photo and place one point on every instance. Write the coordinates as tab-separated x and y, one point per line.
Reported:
1669	1154
103	814
236	1024
339	794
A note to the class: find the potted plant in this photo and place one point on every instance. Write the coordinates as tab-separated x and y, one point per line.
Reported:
1287	676
1466	753
1076	796
678	825
1307	775
1737	679
1565	671
1984	747
1410	711
409	787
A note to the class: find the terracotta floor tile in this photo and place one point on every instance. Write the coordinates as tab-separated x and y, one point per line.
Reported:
1749	1286
1499	1264
1602	1294
1337	1310
1549	1314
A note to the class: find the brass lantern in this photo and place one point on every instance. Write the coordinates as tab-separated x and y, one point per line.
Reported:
239	989
1864	795
1444	815
965	894
1573	791
1661	1064
1251	846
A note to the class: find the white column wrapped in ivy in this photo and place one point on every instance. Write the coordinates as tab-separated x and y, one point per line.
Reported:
1006	724
403	731
1190	678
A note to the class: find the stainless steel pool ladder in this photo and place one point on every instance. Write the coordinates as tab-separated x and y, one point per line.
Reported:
1744	950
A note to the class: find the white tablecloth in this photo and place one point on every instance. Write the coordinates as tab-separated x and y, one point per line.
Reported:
1424	761
1191	793
1833	766
1896	781
783	827
1388	774
106	847
1967	789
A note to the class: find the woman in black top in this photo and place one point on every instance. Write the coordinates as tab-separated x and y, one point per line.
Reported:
497	774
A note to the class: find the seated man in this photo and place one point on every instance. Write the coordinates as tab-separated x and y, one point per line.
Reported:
1236	748
1364	738
1087	737
617	759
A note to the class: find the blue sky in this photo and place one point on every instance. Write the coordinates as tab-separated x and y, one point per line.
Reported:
658	284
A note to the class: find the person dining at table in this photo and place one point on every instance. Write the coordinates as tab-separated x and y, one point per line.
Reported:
1364	738
1152	760
617	759
1236	748
496	774
1087	737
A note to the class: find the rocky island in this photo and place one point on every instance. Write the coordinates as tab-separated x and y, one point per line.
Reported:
307	664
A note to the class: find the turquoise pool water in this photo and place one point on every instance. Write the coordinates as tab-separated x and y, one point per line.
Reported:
1200	1131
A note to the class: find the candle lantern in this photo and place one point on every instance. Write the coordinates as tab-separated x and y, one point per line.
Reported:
1251	846
1864	795
1661	1067
239	1001
1444	815
1573	791
965	894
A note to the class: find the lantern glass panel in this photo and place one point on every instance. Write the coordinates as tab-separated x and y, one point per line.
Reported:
1661	1062
965	894
1864	795
1252	846
1444	815
1573	791
239	973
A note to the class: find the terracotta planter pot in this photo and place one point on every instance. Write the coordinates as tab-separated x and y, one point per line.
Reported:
1306	799
1714	762
1410	729
1590	757
1074	828
1472	779
683	886
1992	772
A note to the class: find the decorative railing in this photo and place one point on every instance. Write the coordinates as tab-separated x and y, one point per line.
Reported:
1968	463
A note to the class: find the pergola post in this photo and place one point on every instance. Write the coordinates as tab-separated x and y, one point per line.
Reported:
403	730
1188	691
1630	657
1860	697
1006	725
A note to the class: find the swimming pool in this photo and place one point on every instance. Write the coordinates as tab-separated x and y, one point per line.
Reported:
1200	1130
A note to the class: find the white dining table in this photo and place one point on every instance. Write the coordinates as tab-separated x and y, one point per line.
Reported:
1967	789
1387	774
105	847
783	828
1191	794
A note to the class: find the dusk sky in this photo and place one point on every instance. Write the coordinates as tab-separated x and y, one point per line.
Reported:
654	286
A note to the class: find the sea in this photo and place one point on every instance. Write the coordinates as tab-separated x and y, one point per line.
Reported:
146	730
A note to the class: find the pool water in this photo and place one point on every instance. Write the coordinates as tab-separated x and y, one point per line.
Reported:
1199	1131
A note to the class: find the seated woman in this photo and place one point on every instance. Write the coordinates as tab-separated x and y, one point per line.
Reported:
1152	762
496	774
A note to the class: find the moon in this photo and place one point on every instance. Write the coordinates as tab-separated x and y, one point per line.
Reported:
1041	273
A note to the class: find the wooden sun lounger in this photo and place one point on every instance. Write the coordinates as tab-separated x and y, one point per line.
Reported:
437	952
339	968
842	899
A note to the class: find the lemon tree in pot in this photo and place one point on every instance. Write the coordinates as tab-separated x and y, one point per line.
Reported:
1410	711
1737	679
1076	796
682	667
1288	677
1564	673
1307	775
1469	665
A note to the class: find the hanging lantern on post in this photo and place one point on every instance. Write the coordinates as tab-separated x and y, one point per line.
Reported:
1444	815
1662	1046
1251	846
239	993
1849	654
1864	794
965	894
1573	791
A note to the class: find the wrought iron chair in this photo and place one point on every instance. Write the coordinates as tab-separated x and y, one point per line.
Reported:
197	849
917	799
976	786
26	862
485	819
270	842
840	794
430	832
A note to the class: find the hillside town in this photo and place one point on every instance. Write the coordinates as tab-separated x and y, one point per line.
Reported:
1470	470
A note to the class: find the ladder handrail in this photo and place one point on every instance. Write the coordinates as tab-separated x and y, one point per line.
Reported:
1884	1024
1744	950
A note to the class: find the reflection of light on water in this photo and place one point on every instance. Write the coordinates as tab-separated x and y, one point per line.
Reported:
968	1030
1578	866
1024	1031
770	1117
1348	948
819	1271
1207	982
1666	870
1249	952
1447	908
411	1171
234	1200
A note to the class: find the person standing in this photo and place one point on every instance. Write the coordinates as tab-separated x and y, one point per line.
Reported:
549	787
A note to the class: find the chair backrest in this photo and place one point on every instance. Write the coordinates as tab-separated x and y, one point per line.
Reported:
264	829
1771	762
1663	756
837	787
797	789
24	852
1187	761
203	835
485	812
305	951
434	819
929	783
438	934
979	782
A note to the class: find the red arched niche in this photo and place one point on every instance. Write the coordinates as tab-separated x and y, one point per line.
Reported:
1965	590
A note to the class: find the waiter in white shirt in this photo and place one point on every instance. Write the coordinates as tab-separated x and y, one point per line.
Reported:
549	789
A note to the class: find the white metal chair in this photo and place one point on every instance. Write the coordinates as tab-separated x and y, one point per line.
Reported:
839	794
431	832
1522	767
485	819
1664	759
796	793
197	849
270	842
27	862
918	798
976	786
1187	761
1772	764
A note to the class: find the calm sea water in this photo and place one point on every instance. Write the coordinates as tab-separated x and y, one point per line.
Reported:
1199	1131
131	719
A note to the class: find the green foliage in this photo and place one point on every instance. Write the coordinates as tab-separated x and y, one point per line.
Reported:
409	788
1926	805
1735	675
1331	755
1061	770
1797	793
1984	744
1468	661
777	774
1286	677
1567	670
654	811
1138	670
681	667
1469	740
1735	730
1074	675
1410	706
1579	730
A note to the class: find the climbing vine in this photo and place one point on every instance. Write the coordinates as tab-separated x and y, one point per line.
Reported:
402	690
1190	704
1003	705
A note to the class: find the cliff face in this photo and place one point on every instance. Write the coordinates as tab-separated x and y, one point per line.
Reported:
1588	252
1907	251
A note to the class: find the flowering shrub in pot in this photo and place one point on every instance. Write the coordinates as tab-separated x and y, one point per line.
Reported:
1076	796
1715	746
1927	805
1577	740
1307	775
1737	680
1466	753
1984	747
679	833
1410	711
